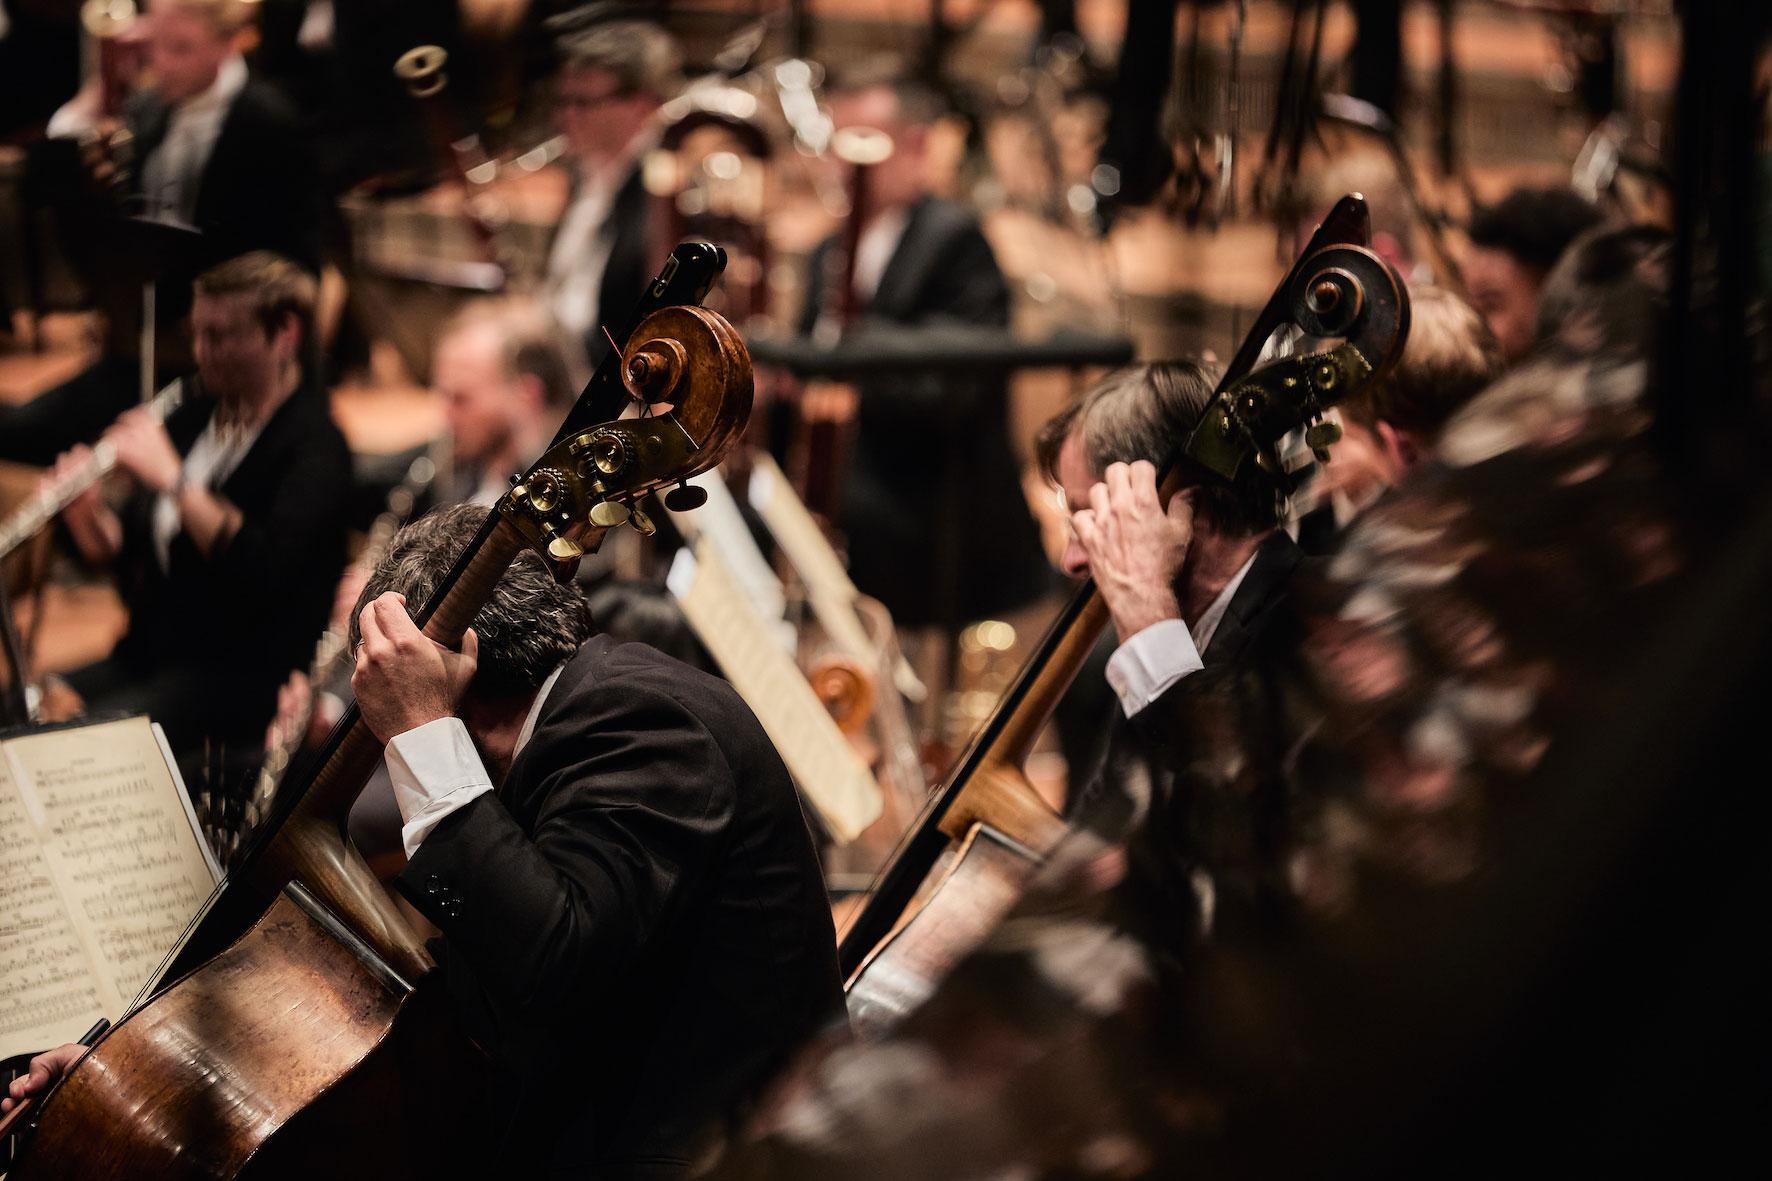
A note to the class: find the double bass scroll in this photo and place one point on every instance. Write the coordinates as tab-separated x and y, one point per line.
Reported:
986	830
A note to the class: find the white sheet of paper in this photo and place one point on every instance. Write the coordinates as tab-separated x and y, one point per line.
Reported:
722	523
828	587
101	868
832	777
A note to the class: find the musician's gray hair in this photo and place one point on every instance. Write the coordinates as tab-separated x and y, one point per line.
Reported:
527	629
530	342
642	57
1147	412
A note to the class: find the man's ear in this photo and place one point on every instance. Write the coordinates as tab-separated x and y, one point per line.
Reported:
287	337
1404	448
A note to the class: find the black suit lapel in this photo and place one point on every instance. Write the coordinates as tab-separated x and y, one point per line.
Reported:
1264	584
233	144
244	480
895	295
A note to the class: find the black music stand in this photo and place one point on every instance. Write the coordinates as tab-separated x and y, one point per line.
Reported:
875	350
149	249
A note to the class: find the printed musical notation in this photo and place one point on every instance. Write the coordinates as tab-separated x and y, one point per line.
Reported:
100	870
831	775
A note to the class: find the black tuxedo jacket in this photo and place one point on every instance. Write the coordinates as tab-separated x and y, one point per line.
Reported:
633	259
937	524
634	924
1245	645
1204	765
259	189
223	631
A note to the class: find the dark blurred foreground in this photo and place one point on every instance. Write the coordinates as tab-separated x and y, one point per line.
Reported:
1510	925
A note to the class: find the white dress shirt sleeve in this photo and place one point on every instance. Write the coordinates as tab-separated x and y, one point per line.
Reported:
434	770
1145	666
70	121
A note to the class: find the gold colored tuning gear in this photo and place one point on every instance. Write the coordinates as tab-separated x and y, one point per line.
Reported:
564	549
608	514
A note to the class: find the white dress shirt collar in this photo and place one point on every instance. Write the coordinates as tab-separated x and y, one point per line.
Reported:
230	79
1206	626
541	698
174	169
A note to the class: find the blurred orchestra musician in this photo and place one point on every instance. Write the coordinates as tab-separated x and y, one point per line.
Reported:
230	543
501	372
613	77
1369	172
209	147
503	379
214	147
1193	588
1513	246
331	58
1390	427
937	525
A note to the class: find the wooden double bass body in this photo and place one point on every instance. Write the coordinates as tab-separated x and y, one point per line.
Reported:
291	1033
985	832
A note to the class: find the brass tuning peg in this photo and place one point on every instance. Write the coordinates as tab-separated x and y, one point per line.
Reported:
1319	437
609	514
560	547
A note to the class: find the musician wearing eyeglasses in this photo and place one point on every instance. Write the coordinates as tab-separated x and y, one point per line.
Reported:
233	533
613	77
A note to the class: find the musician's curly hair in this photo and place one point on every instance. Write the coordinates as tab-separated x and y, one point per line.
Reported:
1147	412
529	627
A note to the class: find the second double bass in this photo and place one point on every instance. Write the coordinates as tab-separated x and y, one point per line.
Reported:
986	830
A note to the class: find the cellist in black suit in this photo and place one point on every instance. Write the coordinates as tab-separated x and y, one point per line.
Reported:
1195	589
634	923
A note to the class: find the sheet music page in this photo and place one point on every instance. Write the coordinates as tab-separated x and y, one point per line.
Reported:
828	587
48	989
832	777
100	870
721	522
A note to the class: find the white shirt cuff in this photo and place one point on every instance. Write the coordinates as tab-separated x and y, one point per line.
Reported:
434	770
1145	666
